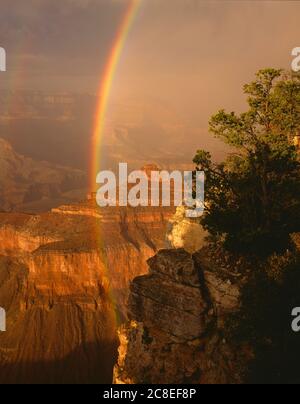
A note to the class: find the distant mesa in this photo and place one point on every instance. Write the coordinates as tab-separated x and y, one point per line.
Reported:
33	186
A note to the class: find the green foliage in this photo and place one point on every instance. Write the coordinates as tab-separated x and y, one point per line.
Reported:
253	198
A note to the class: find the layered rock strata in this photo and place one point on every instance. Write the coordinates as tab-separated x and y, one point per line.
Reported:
64	280
177	313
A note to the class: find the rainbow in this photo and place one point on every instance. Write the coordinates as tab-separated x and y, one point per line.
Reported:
106	85
107	77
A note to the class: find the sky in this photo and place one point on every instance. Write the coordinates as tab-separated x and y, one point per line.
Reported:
193	54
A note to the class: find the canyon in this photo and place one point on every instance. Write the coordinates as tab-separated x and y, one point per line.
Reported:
134	296
56	127
64	282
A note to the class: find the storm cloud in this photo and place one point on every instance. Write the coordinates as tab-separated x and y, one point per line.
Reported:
195	54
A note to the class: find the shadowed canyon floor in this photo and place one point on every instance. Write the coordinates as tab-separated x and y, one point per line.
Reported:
64	280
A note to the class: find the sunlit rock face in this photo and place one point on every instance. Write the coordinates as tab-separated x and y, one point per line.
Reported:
176	316
185	233
64	280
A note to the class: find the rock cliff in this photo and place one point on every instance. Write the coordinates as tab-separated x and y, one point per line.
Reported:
176	316
64	280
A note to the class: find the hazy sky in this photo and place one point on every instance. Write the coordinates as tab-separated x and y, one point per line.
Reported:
194	54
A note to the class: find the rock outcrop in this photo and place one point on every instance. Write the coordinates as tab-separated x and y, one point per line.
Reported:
64	280
177	313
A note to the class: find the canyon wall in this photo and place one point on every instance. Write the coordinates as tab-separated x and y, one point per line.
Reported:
64	279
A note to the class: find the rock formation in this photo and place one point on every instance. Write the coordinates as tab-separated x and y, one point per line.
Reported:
63	277
176	316
33	186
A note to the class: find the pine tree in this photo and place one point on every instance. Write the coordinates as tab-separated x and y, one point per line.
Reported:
253	197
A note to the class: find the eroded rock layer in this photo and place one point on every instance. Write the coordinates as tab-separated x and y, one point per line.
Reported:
177	313
64	280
